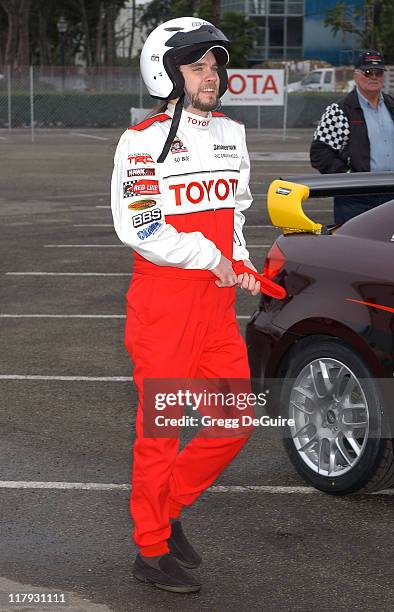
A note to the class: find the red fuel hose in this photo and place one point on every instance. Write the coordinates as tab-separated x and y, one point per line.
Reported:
267	285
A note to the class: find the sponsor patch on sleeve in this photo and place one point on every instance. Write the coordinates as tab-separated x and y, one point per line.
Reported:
141	204
148	231
140	187
141	172
128	189
178	146
145	187
140	159
146	217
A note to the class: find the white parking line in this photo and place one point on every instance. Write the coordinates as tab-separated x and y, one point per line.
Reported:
261	226
103	486
313	210
98	486
60	316
84	246
74	316
72	274
88	136
68	378
77	195
68	273
281	156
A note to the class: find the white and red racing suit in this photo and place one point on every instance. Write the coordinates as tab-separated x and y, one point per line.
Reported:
179	217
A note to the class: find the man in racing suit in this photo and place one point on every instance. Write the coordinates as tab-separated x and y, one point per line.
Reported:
183	219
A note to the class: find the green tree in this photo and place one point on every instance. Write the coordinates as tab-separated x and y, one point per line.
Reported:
17	46
373	24
242	35
384	33
28	31
236	26
157	11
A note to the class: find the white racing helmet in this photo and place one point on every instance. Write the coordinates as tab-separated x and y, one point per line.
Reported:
180	41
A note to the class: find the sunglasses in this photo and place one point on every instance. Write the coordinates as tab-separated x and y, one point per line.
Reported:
368	72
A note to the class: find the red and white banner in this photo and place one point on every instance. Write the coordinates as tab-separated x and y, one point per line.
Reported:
249	87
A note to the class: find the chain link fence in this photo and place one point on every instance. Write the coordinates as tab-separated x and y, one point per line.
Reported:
44	97
69	97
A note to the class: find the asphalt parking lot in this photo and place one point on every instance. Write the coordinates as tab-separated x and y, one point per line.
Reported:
67	416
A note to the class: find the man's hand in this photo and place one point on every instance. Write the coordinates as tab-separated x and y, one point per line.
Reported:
248	281
225	273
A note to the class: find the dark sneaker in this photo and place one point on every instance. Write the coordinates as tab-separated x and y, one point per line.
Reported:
181	548
169	577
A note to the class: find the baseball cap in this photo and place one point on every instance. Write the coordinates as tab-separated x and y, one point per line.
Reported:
370	59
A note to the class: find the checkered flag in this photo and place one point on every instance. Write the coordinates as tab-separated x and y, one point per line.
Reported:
333	128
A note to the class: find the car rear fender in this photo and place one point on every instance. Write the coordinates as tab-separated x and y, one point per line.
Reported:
312	329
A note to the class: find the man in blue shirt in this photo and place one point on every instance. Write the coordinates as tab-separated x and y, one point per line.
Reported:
357	134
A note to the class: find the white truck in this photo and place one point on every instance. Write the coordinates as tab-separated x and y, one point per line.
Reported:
325	79
336	79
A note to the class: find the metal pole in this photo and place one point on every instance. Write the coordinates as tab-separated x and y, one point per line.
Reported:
285	33
258	118
285	102
9	96
32	103
62	59
266	36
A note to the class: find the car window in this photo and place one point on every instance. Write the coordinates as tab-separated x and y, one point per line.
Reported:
313	77
328	77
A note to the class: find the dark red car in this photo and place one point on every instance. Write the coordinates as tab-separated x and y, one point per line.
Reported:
329	345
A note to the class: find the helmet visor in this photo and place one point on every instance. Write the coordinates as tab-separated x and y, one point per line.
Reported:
192	56
207	34
191	46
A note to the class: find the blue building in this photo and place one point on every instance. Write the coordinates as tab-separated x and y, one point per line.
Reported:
319	41
294	29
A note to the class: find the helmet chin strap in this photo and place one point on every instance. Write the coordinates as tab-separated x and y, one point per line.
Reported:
184	101
188	100
173	129
219	105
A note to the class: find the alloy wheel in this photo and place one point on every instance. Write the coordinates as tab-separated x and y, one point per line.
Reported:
331	417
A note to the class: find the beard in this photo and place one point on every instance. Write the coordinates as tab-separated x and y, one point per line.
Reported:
205	106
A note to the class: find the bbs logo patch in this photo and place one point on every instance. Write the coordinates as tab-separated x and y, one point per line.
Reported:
146	217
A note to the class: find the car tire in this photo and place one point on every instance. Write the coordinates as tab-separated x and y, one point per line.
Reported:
342	446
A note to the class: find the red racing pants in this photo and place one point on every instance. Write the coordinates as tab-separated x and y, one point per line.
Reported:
178	328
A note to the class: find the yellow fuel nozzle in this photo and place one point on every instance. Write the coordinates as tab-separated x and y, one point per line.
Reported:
285	208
